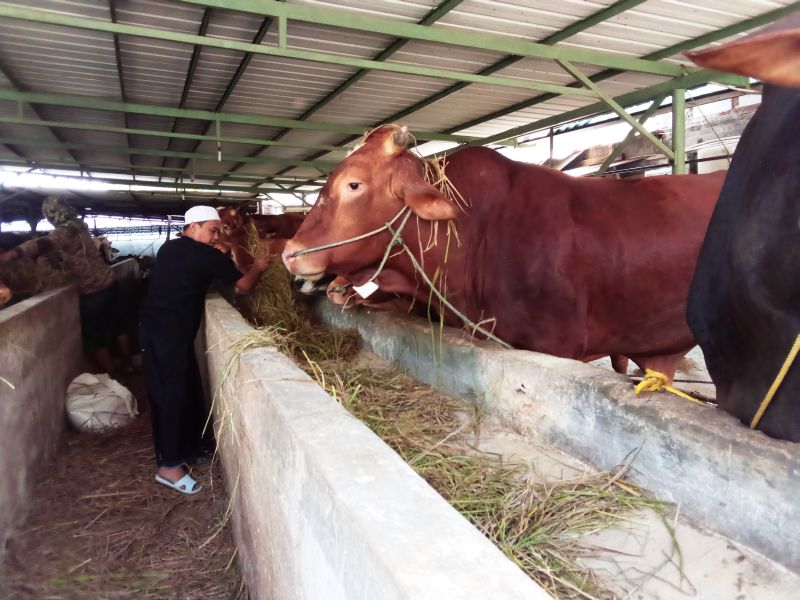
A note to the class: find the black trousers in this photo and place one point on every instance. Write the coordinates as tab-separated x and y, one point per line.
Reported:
177	406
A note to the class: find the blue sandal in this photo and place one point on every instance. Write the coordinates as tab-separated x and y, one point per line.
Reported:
184	485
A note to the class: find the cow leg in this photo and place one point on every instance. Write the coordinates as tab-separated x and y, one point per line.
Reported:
619	363
663	364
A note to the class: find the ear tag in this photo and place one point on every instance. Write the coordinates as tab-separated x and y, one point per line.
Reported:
366	290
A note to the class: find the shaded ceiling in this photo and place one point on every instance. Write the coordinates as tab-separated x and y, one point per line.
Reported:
212	100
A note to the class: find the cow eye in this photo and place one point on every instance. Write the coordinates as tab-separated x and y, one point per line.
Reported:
353	185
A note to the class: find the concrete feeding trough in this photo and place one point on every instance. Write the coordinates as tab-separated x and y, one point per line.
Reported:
323	508
737	482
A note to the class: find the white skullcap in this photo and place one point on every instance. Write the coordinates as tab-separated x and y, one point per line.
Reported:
200	213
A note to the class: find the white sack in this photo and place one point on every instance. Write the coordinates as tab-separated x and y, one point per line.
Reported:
98	403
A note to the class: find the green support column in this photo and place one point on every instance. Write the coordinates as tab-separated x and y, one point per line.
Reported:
679	131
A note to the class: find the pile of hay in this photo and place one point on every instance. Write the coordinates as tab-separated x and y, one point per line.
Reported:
537	524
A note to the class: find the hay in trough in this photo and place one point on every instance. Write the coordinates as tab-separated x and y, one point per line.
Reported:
537	524
284	321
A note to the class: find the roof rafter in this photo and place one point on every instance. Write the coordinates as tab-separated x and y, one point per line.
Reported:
321	165
568	31
581	56
433	16
16	87
263	29
203	115
472	39
187	82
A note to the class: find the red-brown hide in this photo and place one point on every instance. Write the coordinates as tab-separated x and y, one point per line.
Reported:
569	266
273	232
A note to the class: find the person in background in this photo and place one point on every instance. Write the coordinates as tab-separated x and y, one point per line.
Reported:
168	323
70	248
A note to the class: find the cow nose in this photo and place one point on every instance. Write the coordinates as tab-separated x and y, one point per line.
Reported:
288	256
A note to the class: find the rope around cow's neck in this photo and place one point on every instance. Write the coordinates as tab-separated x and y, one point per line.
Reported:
397	241
418	268
793	352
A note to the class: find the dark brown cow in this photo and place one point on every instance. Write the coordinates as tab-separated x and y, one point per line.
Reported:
744	305
273	231
568	266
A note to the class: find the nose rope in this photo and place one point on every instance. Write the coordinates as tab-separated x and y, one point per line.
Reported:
363	236
397	241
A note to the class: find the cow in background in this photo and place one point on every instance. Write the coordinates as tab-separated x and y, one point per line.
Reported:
273	231
744	303
568	266
104	247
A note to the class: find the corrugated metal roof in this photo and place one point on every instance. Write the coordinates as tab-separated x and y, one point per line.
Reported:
308	102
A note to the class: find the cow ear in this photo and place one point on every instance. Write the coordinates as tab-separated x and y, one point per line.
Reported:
397	142
428	203
771	57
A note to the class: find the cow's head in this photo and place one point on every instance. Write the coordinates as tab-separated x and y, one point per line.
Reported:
231	219
771	54
363	193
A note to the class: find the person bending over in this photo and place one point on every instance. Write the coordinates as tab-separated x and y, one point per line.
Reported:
70	248
168	323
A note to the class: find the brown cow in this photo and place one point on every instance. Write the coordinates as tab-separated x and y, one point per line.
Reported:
567	266
273	231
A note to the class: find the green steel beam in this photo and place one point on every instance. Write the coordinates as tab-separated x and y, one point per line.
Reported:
577	27
263	29
470	39
623	114
112	8
167	134
629	99
323	166
697	42
679	131
177	173
204	115
16	88
180	187
433	16
40	16
187	82
617	150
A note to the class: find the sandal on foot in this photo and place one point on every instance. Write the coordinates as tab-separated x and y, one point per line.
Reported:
184	485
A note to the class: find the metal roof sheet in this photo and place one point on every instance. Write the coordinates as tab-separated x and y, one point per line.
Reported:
310	96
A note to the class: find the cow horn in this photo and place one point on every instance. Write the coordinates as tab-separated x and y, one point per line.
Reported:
400	139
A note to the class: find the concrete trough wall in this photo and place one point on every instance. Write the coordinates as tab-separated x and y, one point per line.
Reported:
737	482
322	508
40	353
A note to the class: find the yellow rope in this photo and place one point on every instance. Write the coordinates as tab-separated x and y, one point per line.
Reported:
777	383
656	380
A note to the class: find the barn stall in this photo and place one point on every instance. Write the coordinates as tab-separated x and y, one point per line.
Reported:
155	116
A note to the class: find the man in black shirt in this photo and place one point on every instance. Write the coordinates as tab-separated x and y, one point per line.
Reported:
169	319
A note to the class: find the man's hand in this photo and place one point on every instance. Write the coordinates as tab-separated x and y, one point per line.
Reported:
261	263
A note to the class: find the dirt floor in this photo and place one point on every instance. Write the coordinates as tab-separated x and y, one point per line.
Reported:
100	527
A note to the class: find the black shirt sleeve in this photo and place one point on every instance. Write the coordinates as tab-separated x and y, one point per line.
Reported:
222	267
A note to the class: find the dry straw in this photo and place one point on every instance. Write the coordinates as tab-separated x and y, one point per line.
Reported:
538	524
